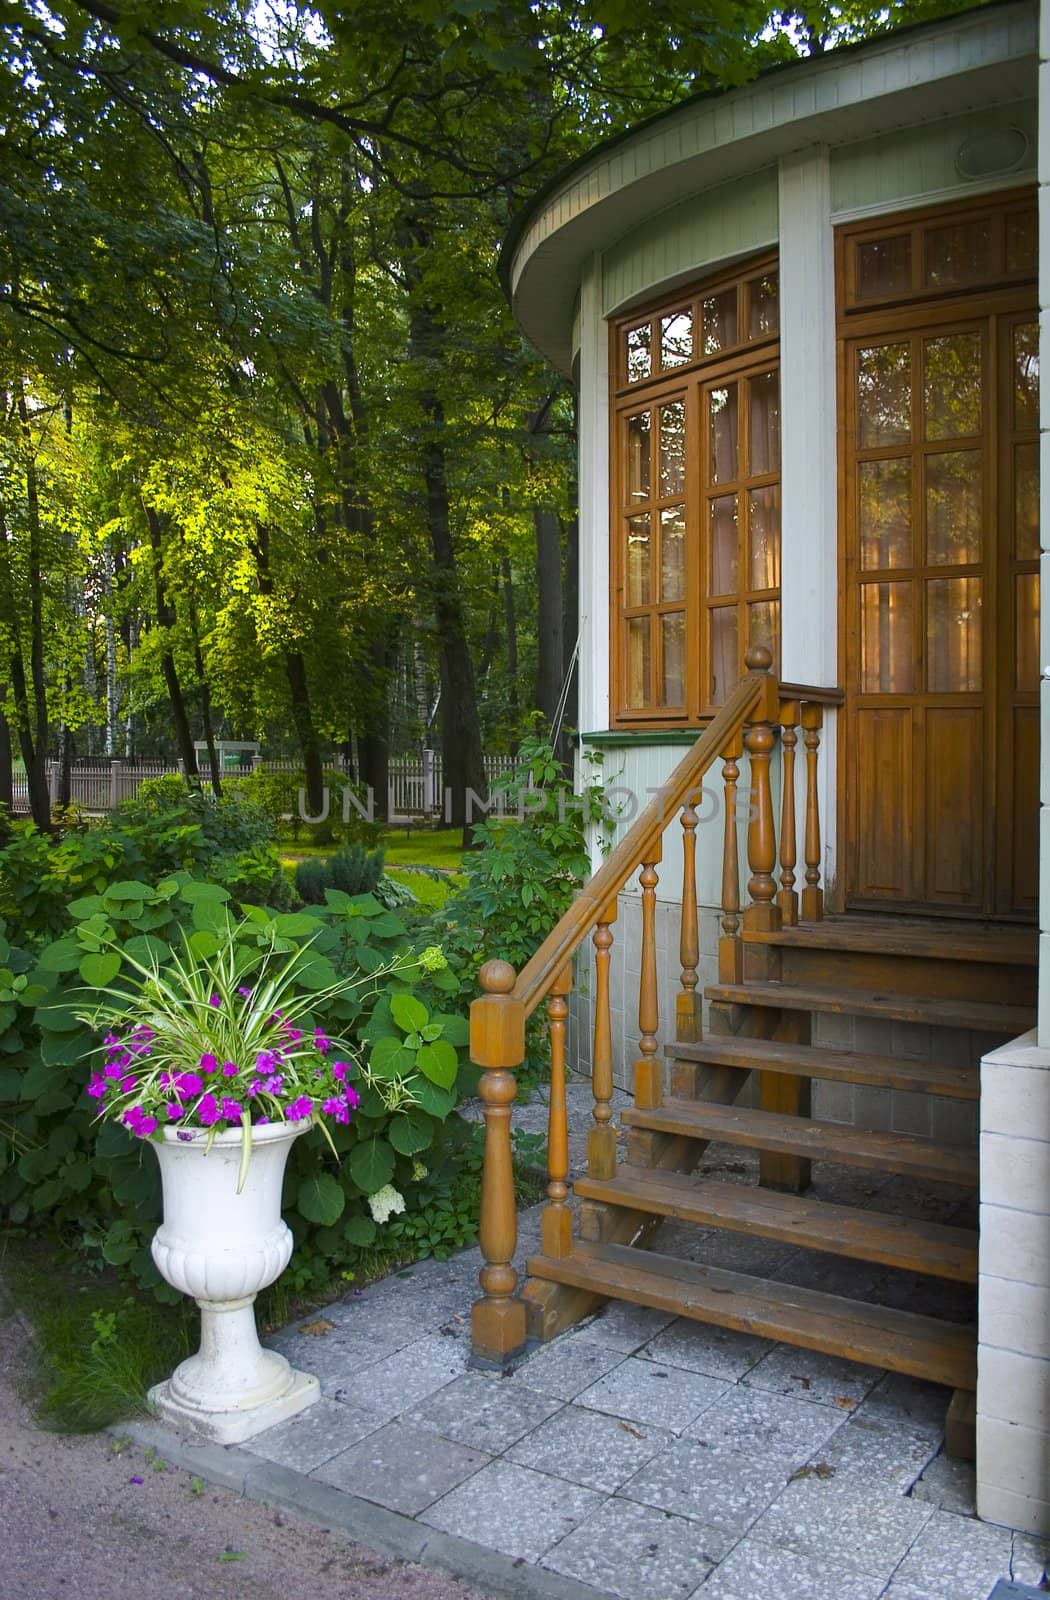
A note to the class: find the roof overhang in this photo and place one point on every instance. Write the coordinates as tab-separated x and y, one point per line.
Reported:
920	75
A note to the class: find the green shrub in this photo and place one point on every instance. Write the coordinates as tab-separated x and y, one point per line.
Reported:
278	794
352	870
100	1188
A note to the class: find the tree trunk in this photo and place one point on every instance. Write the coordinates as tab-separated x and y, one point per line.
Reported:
204	694
30	697
461	747
169	671
510	628
7	780
298	691
373	742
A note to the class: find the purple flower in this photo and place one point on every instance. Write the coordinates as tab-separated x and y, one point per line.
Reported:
274	1085
340	1070
187	1084
136	1480
338	1107
116	1066
266	1060
111	1039
209	1063
128	1083
295	1034
215	1001
140	1124
244	992
321	1040
299	1110
231	1110
208	1110
353	1099
97	1087
261	1122
230	1069
174	1110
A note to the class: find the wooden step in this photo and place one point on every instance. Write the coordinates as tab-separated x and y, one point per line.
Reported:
901	1341
930	1247
901	1153
935	940
982	1016
805	1061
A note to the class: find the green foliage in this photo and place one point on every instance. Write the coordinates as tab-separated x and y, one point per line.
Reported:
528	868
352	870
100	1187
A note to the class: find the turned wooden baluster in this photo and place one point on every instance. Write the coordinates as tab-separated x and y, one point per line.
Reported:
556	1226
787	895
730	948
601	1140
497	1043
812	894
688	1005
762	915
648	1069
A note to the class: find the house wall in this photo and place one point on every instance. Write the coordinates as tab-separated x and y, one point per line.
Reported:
1013	1358
797	203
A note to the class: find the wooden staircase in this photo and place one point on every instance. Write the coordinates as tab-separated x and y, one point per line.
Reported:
994	967
747	1086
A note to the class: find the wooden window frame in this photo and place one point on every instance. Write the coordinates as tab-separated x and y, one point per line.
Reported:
687	381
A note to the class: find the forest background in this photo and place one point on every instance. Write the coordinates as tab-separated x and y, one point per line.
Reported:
274	460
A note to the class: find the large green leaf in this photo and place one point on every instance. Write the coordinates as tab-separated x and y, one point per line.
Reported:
146	948
210	914
359	1230
129	889
408	1012
10	1084
204	943
411	1131
99	971
372	1165
197	890
390	1059
439	1063
455	1029
63	956
321	1199
295	924
430	1097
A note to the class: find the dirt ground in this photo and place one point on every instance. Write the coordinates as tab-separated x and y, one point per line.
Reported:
82	1518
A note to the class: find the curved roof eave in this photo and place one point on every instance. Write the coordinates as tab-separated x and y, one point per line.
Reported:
917	75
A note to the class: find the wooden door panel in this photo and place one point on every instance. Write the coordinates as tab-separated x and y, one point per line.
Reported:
884	801
953	807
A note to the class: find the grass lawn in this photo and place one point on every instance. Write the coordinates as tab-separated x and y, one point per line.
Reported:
405	847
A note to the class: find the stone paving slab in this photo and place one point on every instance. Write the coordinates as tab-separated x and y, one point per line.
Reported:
637	1457
637	1553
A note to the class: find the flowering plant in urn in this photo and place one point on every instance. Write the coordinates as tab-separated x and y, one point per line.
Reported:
219	1063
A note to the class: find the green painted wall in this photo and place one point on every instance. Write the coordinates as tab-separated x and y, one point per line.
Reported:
915	163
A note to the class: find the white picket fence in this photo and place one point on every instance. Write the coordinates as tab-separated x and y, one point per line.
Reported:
416	786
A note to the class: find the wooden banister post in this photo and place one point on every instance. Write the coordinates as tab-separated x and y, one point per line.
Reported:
497	1044
730	949
648	1069
787	895
556	1226
601	1140
762	915
812	894
688	1004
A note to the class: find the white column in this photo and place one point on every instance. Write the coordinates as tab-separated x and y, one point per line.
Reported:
809	586
594	502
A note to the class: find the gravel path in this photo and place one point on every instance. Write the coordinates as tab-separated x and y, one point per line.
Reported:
75	1525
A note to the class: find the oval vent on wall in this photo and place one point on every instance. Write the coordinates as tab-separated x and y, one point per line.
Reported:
992	154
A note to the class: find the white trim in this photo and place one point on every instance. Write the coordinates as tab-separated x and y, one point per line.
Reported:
594	501
974	188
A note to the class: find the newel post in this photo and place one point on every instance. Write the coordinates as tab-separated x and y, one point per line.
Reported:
497	1044
763	914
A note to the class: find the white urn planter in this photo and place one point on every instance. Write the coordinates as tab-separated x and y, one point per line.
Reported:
222	1248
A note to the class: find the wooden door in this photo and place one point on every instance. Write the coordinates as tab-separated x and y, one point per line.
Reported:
942	603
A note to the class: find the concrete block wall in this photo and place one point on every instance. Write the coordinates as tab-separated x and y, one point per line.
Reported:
1013	1369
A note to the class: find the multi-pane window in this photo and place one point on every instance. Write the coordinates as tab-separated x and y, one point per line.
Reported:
696	502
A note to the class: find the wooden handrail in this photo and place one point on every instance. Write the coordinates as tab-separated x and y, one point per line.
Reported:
538	973
498	1015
